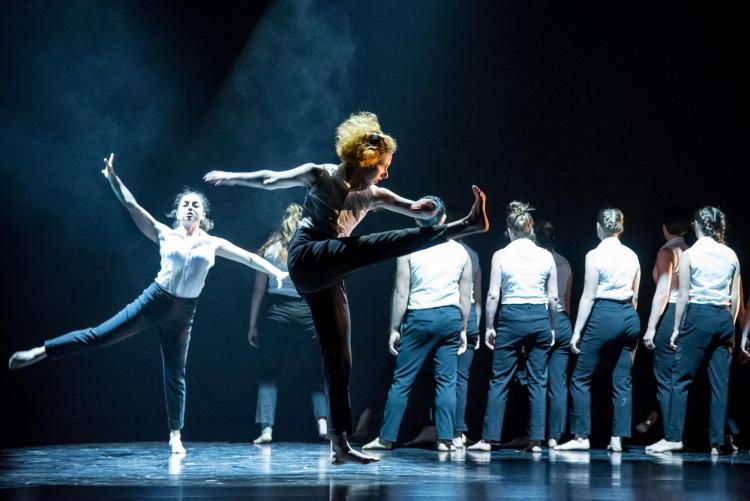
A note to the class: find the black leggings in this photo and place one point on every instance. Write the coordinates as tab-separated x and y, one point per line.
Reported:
318	265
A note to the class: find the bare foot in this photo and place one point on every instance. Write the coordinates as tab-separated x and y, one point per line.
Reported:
22	359
477	217
477	220
342	453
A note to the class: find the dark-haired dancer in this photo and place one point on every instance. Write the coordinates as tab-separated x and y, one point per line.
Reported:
559	354
187	252
610	326
661	323
286	334
527	275
703	330
322	253
429	314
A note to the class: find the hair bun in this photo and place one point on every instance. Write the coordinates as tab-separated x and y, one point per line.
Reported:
519	218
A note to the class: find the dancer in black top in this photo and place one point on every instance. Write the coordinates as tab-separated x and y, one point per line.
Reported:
322	253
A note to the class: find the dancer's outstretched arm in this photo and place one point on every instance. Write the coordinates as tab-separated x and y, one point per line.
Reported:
590	281
228	250
142	219
384	198
304	176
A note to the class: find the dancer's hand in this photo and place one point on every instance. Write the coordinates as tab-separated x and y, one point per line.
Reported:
552	331
745	348
220	178
393	342
280	279
673	340
489	338
109	167
574	343
477	344
425	204
252	336
648	339
464	344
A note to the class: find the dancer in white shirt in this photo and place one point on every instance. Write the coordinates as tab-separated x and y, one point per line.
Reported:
187	253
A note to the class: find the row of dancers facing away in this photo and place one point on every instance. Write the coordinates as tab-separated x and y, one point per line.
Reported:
691	321
321	255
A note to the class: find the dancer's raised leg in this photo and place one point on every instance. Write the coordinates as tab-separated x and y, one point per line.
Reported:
317	264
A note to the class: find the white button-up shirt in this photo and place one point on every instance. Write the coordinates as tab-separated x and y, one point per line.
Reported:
525	269
185	261
712	269
617	266
435	273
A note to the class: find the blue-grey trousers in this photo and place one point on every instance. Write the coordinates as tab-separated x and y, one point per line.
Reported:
613	330
287	339
155	307
520	326
427	332
707	334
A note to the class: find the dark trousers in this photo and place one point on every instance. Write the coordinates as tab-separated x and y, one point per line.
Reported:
664	358
520	326
557	377
428	332
287	339
318	265
706	335
612	333
155	307
463	369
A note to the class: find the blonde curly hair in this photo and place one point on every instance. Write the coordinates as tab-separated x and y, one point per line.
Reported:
284	233
360	140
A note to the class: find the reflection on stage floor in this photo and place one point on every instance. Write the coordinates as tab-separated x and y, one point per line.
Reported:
297	470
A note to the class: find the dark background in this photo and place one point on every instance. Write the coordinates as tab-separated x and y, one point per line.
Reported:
571	106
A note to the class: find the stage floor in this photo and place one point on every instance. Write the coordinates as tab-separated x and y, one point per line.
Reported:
301	470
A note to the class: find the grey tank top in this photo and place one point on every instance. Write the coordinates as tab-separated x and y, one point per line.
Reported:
332	208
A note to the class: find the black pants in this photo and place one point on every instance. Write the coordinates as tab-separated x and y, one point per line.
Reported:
557	378
707	335
318	265
664	358
155	307
287	339
463	370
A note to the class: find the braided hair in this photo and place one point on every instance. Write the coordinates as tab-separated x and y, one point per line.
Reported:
712	222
